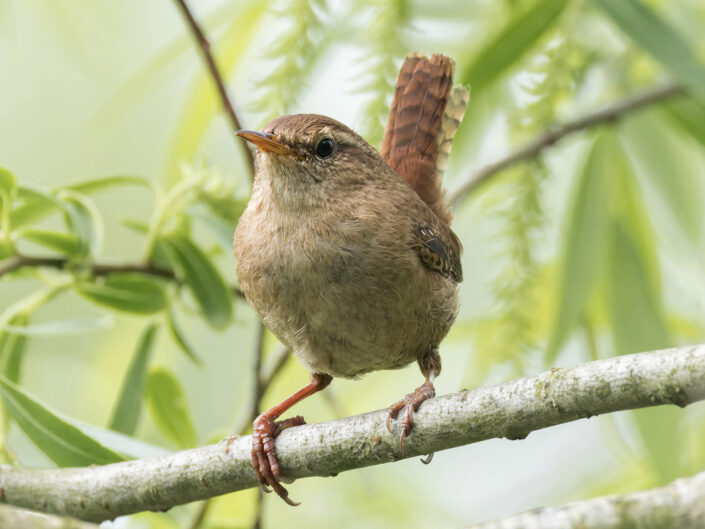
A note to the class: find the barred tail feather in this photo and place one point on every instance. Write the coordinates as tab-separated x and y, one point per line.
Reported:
424	116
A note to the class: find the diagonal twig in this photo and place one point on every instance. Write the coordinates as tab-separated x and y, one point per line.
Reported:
534	147
205	48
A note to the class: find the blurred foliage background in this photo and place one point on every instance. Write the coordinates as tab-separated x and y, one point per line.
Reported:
123	179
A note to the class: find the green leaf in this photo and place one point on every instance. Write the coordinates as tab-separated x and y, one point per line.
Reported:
128	407
636	314
180	339
166	403
689	114
584	245
123	444
127	292
8	182
61	327
663	159
511	43
65	243
33	205
101	184
635	307
12	345
62	442
83	219
202	278
659	39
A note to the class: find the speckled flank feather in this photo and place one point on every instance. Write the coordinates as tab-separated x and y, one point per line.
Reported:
415	133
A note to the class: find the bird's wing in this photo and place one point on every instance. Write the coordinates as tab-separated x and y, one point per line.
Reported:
439	250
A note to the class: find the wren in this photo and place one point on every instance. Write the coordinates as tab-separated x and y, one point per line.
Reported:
346	253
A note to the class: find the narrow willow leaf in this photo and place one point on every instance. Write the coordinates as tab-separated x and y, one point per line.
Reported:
690	115
654	148
62	327
12	345
584	244
635	307
137	293
659	39
63	443
638	322
202	278
33	206
124	445
180	339
65	243
83	219
511	43
8	182
101	184
129	404
167	406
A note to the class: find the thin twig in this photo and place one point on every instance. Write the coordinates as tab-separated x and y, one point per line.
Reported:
265	374
258	390
205	47
18	261
534	147
511	410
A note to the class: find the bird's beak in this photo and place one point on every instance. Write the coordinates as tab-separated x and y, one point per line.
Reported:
265	141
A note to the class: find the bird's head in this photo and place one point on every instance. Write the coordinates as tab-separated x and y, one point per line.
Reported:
308	159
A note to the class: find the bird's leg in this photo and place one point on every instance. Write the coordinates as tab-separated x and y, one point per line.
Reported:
265	429
430	366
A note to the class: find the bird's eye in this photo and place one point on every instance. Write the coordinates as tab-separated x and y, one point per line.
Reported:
324	149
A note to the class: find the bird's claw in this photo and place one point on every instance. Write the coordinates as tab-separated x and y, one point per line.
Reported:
264	455
409	404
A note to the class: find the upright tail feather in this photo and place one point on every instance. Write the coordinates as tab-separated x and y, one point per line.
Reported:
425	114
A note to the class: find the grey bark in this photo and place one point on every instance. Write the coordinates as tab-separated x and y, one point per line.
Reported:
678	505
511	410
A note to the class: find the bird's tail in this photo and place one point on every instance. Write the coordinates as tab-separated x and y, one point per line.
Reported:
425	114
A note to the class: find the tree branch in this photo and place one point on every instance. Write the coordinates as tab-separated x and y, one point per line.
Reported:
679	504
18	261
511	410
205	48
534	147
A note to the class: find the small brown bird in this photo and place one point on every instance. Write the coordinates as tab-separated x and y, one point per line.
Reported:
346	254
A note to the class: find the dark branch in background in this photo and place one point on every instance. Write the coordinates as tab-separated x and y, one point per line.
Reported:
97	269
511	410
205	47
258	390
534	147
679	505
